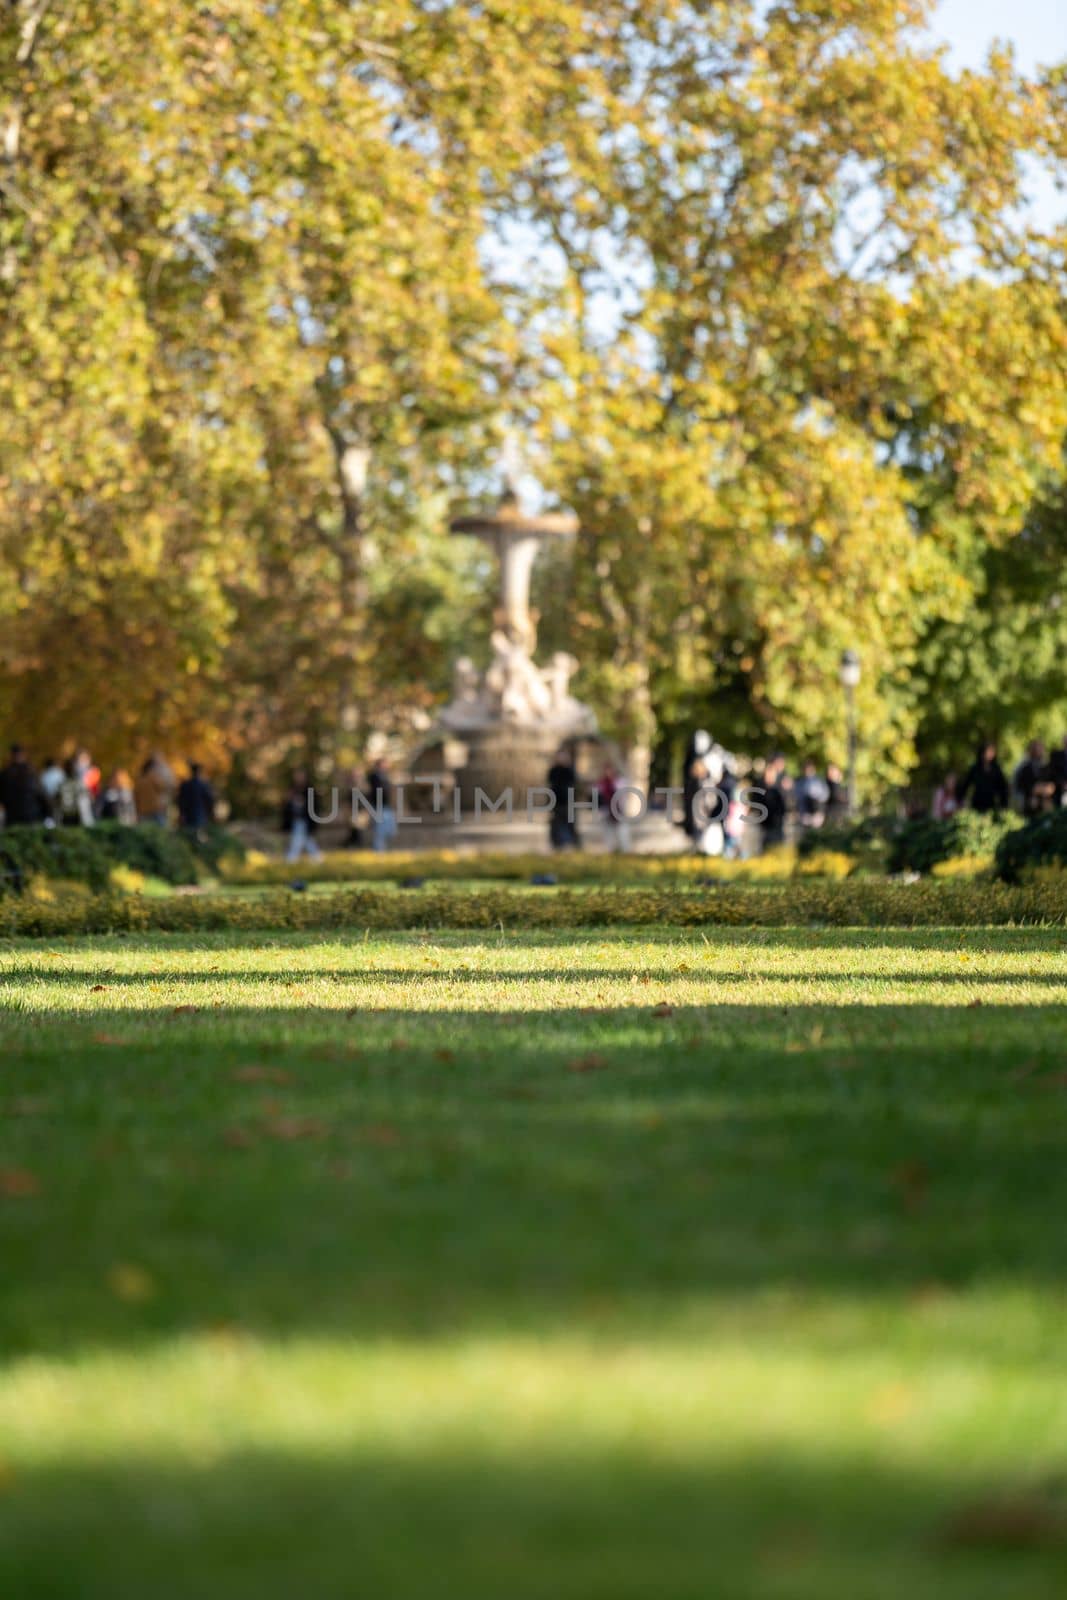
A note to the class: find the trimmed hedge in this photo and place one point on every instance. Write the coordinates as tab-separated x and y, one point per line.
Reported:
918	846
87	855
367	867
1040	843
853	903
867	840
68	853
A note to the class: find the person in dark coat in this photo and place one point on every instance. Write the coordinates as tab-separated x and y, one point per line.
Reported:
381	793
298	819
196	800
1057	767
985	782
20	791
563	782
1034	781
837	796
694	777
772	795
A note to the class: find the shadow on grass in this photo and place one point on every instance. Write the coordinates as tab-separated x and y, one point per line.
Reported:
813	1180
713	976
405	1171
490	1524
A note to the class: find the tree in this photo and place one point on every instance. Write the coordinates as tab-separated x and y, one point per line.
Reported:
837	374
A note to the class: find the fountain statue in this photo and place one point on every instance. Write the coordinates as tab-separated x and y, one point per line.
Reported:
511	718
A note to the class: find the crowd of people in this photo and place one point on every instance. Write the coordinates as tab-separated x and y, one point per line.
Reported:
730	813
74	793
373	812
730	810
1038	784
726	811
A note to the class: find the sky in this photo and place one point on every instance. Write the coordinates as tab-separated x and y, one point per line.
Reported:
1037	28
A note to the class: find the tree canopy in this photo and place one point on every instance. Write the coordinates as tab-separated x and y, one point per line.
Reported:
760	283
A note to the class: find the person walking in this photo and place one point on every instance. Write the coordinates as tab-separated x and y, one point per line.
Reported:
355	839
88	772
196	801
75	803
946	798
694	778
298	819
812	796
985	781
615	823
774	802
152	791
836	796
115	803
734	822
381	794
51	783
1033	781
21	796
1057	766
563	783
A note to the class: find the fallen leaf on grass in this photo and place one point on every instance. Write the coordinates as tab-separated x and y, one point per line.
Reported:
932	1293
891	1403
225	1333
1007	1522
380	1133
26	1106
334	1052
16	1183
294	1128
593	1062
131	1283
258	1074
911	1181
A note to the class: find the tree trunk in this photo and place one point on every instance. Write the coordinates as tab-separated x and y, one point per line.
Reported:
352	464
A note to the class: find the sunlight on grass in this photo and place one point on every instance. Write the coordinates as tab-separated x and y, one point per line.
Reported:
617	1265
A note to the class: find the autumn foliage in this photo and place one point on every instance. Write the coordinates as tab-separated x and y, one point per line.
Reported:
759	284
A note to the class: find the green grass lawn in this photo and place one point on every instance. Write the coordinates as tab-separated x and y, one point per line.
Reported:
609	1266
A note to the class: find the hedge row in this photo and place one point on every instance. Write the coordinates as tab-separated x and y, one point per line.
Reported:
853	903
885	844
921	845
1041	843
87	855
365	867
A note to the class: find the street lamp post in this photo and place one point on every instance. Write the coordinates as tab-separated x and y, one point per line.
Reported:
850	677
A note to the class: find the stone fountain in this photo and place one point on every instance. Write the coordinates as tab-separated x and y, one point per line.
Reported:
512	718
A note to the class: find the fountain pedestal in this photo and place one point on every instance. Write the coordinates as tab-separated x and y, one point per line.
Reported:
512	718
